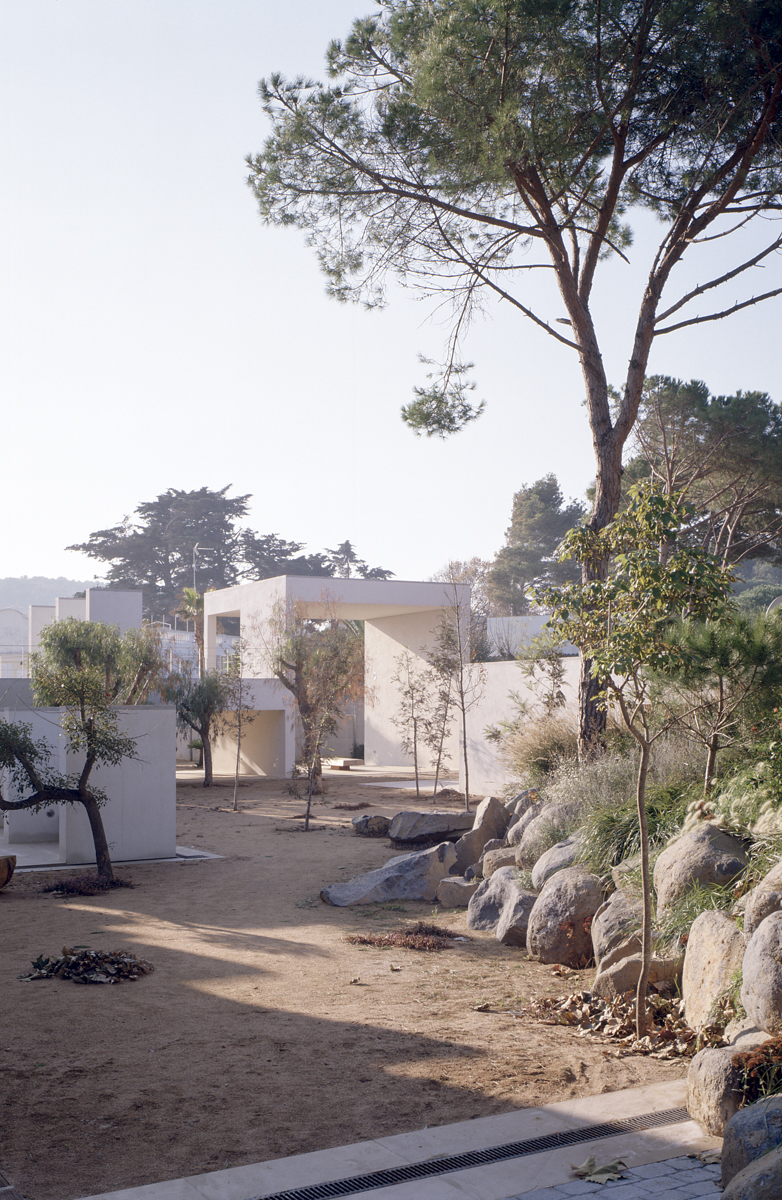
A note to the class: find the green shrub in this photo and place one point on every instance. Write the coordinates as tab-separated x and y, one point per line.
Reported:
611	832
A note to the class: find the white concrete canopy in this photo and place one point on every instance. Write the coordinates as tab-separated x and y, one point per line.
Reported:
398	616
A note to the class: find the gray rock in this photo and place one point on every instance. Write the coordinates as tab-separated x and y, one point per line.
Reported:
715	950
514	919
493	896
424	826
560	923
712	1089
516	828
760	1180
414	876
707	855
764	899
615	921
454	892
618	975
525	800
494	859
494	844
556	859
491	821
371	825
536	837
753	1131
761	989
713	1094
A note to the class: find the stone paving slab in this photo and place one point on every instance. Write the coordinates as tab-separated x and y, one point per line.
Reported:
676	1179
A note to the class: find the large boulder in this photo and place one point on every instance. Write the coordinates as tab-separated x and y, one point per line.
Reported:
516	828
761	989
713	1095
619	972
713	1083
371	825
426	826
514	918
456	892
617	920
760	1179
494	859
752	1132
562	855
559	929
765	898
491	821
537	836
707	856
497	896
715	950
414	876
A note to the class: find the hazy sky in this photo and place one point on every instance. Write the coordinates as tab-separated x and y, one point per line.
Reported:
155	334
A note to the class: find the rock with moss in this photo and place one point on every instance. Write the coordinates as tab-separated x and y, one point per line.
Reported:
706	856
560	923
714	956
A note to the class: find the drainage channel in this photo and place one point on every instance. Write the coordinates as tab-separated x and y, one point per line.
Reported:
478	1158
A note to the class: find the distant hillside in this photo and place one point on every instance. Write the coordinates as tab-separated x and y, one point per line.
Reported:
23	590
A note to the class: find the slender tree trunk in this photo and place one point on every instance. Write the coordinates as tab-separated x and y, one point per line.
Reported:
415	758
207	753
238	753
102	856
464	760
592	714
711	763
646	935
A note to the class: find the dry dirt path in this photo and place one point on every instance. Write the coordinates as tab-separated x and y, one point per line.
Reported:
261	1032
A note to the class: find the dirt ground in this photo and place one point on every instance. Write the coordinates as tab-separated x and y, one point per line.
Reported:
262	1032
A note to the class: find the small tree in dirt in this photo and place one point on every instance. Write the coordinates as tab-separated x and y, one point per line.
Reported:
237	714
450	657
87	669
414	712
623	625
199	703
440	720
321	663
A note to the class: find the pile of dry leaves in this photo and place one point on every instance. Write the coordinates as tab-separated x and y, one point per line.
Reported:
422	935
613	1021
90	966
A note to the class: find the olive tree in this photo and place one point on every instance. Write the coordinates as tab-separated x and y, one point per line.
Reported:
87	669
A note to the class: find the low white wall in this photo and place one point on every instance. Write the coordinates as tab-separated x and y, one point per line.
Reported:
140	815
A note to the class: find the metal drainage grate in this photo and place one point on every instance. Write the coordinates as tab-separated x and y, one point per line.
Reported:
478	1158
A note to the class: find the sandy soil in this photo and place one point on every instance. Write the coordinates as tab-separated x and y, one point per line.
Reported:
261	1033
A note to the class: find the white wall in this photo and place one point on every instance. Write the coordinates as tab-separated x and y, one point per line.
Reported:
487	772
123	609
140	815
